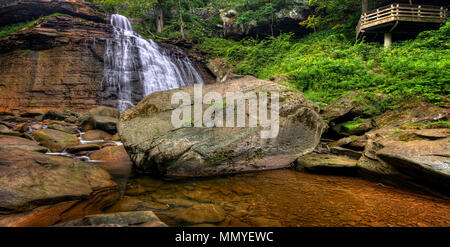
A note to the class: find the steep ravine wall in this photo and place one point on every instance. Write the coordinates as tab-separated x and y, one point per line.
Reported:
57	63
13	11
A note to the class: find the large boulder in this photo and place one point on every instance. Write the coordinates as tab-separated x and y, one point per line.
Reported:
41	190
55	140
426	161
410	158
102	118
156	146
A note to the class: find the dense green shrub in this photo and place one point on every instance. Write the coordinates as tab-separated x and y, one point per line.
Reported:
329	63
10	29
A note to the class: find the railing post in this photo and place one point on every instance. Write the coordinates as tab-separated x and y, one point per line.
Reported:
419	10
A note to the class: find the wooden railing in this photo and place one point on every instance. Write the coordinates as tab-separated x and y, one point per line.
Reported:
402	12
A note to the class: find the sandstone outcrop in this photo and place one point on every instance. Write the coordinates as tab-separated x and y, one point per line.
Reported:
13	11
55	64
55	140
326	163
41	190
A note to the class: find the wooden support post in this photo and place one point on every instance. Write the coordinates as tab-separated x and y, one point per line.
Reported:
387	39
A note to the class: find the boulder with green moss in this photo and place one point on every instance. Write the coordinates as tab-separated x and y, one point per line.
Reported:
156	146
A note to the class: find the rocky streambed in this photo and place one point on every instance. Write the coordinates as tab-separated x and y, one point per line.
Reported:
73	169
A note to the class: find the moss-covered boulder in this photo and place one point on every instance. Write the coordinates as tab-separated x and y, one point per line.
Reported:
355	127
55	140
156	146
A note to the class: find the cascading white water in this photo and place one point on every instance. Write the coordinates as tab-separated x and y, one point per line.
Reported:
136	67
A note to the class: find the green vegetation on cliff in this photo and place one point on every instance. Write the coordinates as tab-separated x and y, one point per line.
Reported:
329	63
13	28
7	30
325	64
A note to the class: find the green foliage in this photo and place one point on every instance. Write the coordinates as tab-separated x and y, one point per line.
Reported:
10	29
131	8
7	30
396	131
437	125
327	64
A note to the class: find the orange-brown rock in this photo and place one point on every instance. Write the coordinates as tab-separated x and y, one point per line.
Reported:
94	135
41	190
55	64
111	153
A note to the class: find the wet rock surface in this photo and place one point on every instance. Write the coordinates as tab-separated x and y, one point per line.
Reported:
124	219
55	140
407	158
326	163
21	143
281	198
39	190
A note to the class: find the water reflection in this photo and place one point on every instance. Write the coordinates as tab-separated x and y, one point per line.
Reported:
281	198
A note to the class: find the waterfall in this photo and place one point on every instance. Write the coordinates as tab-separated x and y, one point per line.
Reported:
135	67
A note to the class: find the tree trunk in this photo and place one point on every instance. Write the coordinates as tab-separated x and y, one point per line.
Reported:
271	19
183	37
159	20
365	6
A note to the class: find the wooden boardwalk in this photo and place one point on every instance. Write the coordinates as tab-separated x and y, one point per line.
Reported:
394	13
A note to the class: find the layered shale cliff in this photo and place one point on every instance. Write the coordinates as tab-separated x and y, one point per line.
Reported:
13	11
56	63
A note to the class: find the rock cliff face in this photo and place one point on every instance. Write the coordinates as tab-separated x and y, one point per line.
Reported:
56	63
13	11
294	11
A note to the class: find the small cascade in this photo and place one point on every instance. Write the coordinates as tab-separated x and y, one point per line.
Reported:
135	67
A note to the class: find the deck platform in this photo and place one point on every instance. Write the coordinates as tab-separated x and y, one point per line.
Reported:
390	18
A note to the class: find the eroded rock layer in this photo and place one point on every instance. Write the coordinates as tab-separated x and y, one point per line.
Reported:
56	63
13	11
